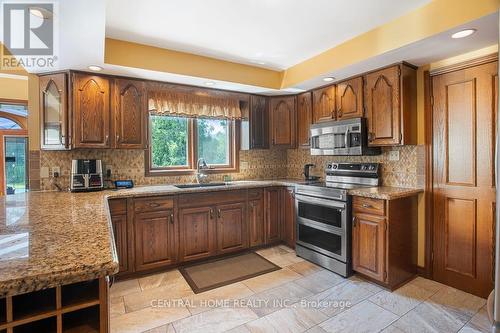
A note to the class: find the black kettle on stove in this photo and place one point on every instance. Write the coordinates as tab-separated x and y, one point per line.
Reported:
307	172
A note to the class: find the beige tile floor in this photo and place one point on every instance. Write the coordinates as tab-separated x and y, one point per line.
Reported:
301	297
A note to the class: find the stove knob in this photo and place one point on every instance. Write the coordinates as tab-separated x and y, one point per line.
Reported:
335	166
363	167
372	167
329	166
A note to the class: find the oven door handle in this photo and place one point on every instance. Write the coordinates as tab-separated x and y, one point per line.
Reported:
346	138
320	201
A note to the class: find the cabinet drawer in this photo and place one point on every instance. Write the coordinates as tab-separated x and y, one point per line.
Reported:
117	206
369	205
153	204
255	194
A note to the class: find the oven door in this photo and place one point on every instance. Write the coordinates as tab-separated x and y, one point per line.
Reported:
321	225
321	213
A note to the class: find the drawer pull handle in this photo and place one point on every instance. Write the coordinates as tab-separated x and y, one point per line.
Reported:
211	213
354	222
218	213
367	206
154	204
171	218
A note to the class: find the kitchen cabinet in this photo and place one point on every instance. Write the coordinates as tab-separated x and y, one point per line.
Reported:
212	223
323	104
118	212
197	233
255	217
390	95
368	242
289	226
231	227
154	233
283	121
259	122
273	210
349	98
384	239
129	113
54	130
304	119
91	111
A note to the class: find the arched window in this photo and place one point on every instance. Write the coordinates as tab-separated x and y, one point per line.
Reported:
8	124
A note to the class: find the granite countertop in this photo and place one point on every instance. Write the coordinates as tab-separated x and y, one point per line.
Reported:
54	238
385	192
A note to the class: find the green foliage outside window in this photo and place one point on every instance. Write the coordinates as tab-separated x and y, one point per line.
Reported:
169	141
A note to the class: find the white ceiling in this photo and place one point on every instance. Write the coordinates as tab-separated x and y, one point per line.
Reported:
278	33
225	33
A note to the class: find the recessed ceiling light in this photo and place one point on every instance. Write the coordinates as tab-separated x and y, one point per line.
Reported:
328	79
209	83
463	33
95	68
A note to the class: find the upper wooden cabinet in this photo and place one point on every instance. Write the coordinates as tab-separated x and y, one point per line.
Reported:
259	122
283	121
130	105
304	119
323	108
54	112
91	111
349	98
390	96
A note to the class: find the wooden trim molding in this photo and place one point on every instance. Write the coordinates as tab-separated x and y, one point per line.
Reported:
465	64
428	190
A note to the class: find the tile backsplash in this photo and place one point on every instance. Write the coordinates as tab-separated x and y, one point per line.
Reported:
254	164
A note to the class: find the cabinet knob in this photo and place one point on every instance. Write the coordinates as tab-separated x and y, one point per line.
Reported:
367	206
354	221
211	212
117	138
107	138
218	213
171	218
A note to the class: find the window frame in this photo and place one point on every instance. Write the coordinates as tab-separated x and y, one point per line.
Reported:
190	169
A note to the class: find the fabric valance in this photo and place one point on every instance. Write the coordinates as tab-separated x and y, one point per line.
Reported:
163	100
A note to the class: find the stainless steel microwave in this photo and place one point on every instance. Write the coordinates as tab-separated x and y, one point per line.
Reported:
344	137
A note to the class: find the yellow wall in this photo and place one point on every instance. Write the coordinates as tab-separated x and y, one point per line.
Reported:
135	55
13	88
33	112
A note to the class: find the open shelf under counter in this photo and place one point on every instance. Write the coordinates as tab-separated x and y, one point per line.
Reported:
77	307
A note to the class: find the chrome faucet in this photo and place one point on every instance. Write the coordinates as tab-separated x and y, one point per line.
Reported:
201	166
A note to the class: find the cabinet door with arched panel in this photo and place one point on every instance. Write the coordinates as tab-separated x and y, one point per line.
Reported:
54	130
349	98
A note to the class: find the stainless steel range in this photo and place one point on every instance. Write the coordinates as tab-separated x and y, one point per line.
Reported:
324	211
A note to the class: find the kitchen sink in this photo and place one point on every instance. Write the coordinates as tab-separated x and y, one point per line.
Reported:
200	185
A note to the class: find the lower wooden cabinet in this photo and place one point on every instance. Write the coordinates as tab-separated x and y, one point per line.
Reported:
231	227
368	246
154	239
197	233
289	227
119	223
272	208
256	222
384	239
156	232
